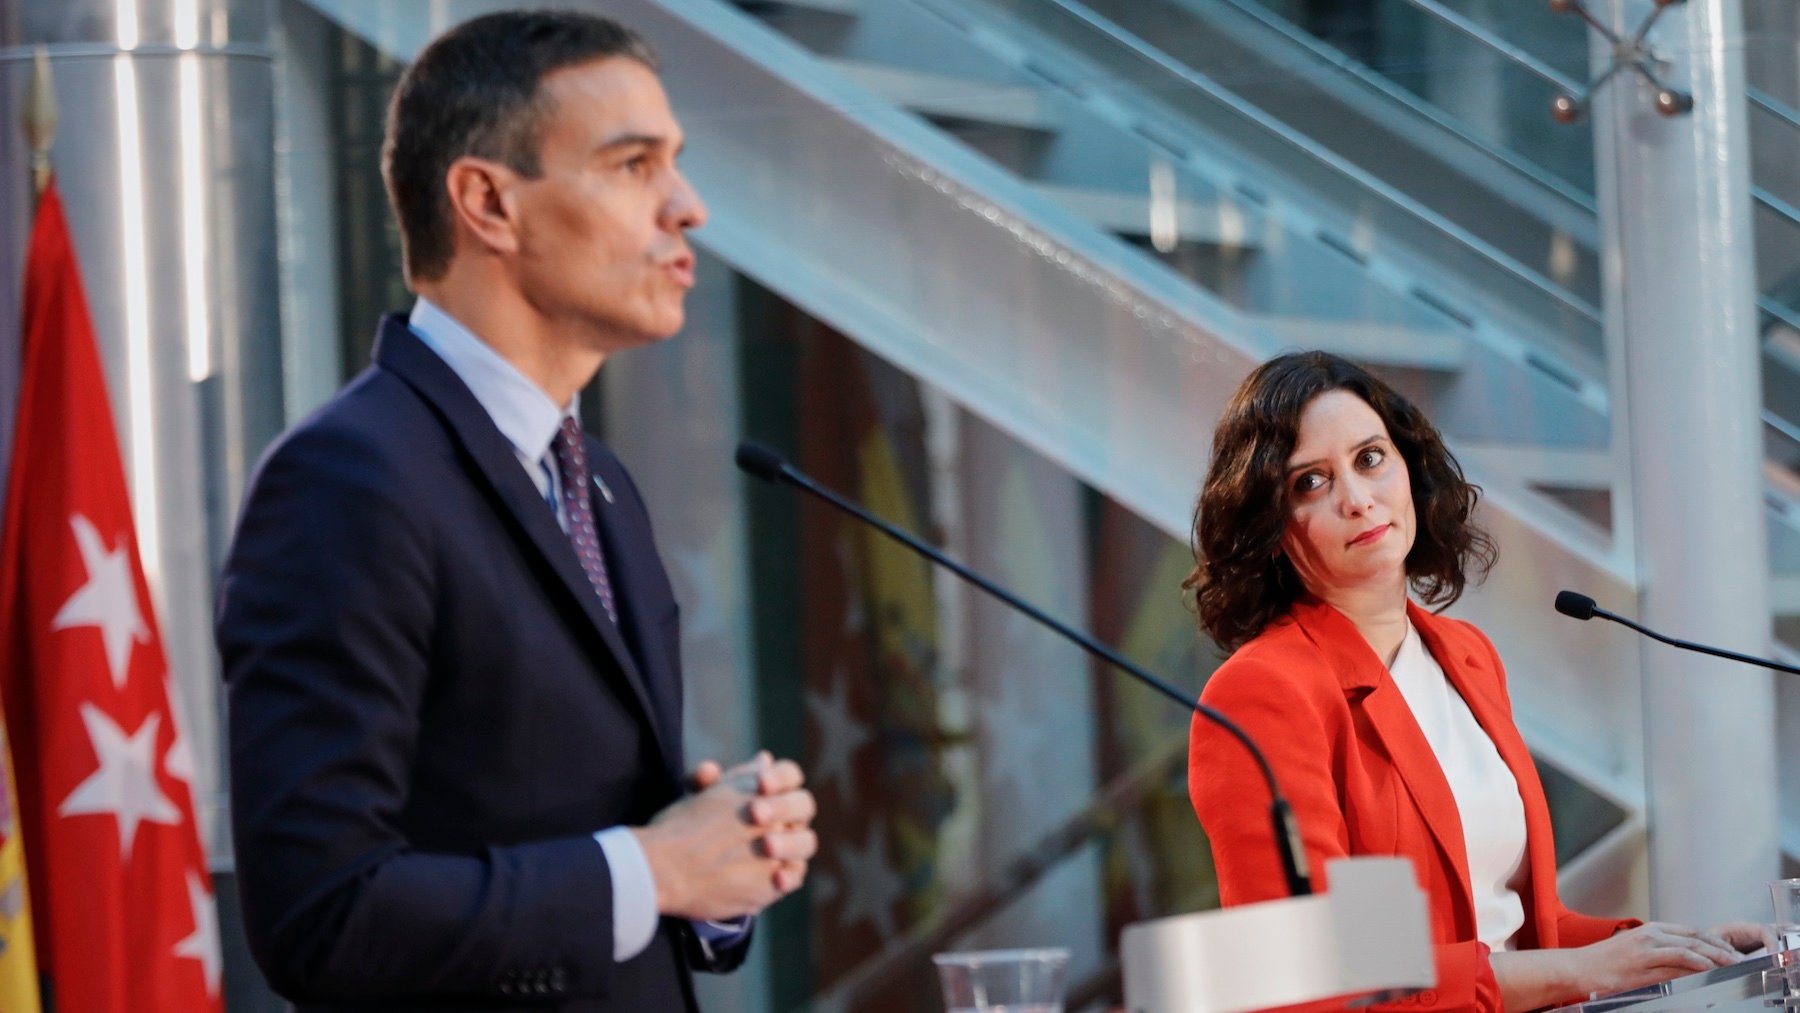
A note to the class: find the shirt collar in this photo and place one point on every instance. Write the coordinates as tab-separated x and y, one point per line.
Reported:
521	410
1412	650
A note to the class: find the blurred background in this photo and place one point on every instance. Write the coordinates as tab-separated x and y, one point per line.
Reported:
992	267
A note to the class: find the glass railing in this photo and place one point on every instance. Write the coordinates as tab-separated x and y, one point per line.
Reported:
1510	130
1479	76
1405	140
1473	83
1442	233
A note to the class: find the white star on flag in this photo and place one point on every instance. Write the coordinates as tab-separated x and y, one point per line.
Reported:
125	785
178	762
873	885
840	734
203	945
108	600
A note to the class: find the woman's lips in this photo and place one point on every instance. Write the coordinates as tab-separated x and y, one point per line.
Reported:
1371	535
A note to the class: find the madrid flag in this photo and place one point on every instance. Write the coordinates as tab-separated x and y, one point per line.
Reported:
120	897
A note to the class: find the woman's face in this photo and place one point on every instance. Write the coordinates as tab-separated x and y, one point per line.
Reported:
1350	509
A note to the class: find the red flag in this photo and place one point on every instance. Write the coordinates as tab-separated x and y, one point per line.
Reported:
120	893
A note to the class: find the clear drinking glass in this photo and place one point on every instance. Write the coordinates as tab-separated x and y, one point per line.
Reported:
1785	893
1003	981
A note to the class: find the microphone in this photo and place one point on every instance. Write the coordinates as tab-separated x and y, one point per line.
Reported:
1580	606
761	461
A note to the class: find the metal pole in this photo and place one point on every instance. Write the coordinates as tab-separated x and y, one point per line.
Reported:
1680	299
39	121
169	189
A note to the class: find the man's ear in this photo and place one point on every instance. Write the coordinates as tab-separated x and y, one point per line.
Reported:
481	204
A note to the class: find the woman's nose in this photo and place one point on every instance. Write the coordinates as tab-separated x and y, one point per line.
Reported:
1355	495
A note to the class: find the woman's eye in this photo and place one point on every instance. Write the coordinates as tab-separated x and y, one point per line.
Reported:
1309	482
1370	457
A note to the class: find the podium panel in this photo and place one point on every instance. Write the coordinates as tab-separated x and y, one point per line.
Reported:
1770	982
1367	935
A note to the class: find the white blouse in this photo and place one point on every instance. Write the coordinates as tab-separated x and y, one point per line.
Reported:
1487	795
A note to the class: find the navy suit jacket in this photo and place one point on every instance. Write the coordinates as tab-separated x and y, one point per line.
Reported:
430	713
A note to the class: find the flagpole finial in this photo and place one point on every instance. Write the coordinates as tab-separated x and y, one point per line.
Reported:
40	117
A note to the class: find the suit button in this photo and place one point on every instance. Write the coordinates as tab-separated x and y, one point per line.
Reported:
1427	998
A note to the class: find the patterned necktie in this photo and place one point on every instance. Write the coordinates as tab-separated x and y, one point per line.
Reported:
571	461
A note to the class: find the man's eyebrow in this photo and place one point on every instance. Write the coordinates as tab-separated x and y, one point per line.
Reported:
637	141
1294	466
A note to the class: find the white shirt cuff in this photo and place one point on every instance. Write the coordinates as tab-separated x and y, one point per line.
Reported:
634	892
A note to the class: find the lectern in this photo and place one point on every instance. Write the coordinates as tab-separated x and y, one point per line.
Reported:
1760	984
1366	936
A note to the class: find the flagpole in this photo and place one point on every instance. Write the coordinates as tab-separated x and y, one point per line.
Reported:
39	120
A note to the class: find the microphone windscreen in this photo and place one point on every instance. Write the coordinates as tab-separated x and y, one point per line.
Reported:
1575	606
760	460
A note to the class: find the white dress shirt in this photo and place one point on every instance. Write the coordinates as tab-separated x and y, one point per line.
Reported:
1487	794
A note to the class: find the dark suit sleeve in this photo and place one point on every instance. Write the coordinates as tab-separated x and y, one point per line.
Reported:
712	957
324	625
718	957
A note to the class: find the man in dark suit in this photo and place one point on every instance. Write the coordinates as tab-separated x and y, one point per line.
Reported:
450	648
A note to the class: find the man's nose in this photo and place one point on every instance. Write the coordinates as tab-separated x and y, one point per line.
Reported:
684	209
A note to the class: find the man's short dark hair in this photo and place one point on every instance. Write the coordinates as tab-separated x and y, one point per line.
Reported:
475	90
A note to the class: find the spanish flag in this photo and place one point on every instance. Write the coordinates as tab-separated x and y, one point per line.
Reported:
18	963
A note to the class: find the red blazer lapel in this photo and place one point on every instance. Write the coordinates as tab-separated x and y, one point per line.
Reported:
1368	686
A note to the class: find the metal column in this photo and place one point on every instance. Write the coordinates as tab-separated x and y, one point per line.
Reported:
164	158
1675	217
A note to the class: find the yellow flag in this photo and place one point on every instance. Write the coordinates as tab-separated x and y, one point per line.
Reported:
18	961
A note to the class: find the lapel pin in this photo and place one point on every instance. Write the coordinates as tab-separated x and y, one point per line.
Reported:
604	491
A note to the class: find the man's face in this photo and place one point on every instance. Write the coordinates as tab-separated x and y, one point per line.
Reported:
602	230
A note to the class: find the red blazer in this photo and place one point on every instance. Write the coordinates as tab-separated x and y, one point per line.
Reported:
1363	781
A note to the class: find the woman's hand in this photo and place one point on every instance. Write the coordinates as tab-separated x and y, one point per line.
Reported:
1650	953
1744	937
1531	979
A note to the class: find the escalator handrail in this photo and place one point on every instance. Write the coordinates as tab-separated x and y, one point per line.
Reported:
1779	311
1772	105
1775	204
1317	152
1480	33
1372	78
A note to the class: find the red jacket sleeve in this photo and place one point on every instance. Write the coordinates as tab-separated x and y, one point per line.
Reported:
1576	929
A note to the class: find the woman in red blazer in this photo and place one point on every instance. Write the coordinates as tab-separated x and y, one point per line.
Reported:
1328	497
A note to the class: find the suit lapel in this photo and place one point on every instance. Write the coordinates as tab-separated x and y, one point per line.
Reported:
1367	684
628	554
398	350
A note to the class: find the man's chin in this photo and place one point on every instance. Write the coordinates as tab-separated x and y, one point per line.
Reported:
664	333
662	329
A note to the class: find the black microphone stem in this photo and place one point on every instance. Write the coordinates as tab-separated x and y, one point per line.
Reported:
1287	831
1688	645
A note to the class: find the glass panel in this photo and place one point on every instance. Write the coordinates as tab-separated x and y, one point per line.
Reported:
1406	176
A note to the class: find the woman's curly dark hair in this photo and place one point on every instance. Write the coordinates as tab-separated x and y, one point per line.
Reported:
1242	579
